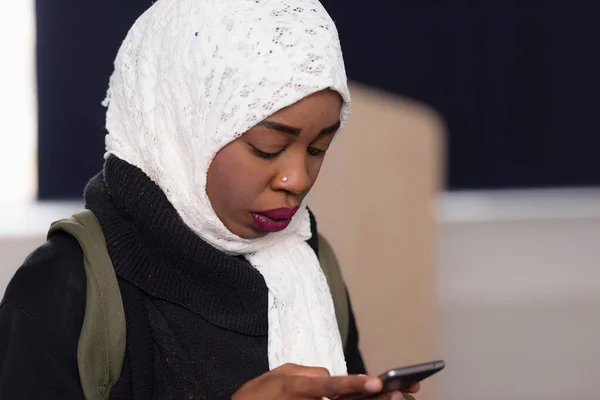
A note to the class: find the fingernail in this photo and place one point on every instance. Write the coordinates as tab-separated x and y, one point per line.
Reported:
373	385
397	396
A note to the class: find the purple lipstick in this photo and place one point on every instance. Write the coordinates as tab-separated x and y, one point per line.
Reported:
273	220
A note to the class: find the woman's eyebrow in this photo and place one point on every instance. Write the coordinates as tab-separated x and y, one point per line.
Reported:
331	129
278	126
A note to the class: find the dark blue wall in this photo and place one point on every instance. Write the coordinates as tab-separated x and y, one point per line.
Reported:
516	81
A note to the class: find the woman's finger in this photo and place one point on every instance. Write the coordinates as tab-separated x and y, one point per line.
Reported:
334	386
414	388
295	369
392	396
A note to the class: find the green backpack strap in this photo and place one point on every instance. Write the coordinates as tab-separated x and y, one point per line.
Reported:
331	269
101	347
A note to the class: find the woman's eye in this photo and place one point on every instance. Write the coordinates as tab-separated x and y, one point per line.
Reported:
315	152
263	154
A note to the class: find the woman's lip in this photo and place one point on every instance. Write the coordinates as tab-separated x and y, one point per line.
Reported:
279	213
266	224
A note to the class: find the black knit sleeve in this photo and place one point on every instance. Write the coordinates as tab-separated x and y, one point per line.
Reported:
352	353
40	322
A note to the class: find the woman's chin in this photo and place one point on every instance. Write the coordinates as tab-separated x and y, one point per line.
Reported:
247	232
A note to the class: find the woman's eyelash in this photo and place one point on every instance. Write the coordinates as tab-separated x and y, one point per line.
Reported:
263	154
315	152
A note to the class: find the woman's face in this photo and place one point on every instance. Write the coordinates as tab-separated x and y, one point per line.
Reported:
256	182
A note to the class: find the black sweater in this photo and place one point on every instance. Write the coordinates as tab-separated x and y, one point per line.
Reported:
196	318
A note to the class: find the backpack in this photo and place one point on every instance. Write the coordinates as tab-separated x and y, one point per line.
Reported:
101	346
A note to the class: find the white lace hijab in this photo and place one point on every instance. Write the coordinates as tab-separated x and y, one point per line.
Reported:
193	75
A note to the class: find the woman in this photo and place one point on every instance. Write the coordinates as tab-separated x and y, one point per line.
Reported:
219	116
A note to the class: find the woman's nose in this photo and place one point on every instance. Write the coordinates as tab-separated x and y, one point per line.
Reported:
294	178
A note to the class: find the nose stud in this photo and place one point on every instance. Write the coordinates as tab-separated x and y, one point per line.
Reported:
284	179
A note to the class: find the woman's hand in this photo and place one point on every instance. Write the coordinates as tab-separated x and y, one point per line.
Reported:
398	395
386	396
292	381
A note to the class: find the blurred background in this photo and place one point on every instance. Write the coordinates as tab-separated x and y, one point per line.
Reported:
471	159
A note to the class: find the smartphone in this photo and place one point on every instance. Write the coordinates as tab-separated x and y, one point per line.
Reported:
401	379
